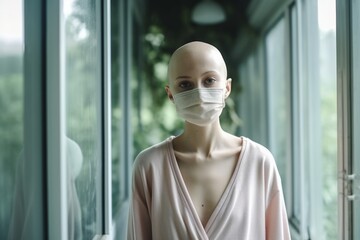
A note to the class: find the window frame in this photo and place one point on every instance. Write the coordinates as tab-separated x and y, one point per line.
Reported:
346	116
355	114
106	56
55	116
35	135
44	138
302	67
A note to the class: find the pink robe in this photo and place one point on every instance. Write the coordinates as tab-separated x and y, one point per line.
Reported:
251	207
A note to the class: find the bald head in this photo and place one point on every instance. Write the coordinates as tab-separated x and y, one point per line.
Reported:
196	57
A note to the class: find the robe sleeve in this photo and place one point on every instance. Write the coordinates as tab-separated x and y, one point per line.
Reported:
139	221
276	219
277	227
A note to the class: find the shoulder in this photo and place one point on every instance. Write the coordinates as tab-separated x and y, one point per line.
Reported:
152	154
261	167
258	150
260	157
264	162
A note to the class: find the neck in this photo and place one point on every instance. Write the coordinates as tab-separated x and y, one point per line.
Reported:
202	138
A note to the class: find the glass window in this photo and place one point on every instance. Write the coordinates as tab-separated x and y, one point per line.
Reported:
251	100
278	99
314	205
243	103
11	105
83	117
258	98
328	116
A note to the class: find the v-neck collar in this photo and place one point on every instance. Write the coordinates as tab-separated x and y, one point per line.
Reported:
204	231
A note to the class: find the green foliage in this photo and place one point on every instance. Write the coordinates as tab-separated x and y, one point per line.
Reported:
154	116
329	154
11	133
11	118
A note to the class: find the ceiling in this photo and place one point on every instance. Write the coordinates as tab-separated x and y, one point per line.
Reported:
174	18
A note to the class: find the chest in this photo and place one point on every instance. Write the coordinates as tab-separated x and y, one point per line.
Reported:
206	183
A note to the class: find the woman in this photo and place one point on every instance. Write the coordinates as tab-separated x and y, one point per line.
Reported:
205	183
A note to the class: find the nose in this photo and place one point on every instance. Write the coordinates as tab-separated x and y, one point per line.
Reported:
199	83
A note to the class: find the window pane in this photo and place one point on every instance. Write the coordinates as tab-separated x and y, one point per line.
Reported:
328	102
11	106
251	101
83	119
278	99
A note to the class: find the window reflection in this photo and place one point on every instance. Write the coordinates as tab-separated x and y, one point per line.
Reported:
83	113
74	159
22	202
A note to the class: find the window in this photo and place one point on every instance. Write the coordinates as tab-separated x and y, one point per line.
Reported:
328	115
278	98
314	197
300	72
252	99
11	117
54	127
84	110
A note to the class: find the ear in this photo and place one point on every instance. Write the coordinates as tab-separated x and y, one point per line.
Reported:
169	94
228	87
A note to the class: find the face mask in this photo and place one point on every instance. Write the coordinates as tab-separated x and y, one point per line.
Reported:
200	106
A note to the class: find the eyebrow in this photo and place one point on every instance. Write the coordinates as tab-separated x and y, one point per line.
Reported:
181	77
205	73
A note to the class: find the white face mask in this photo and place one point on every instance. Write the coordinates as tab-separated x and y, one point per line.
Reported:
200	106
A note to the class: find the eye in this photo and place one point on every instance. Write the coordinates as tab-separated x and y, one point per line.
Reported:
210	81
185	85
